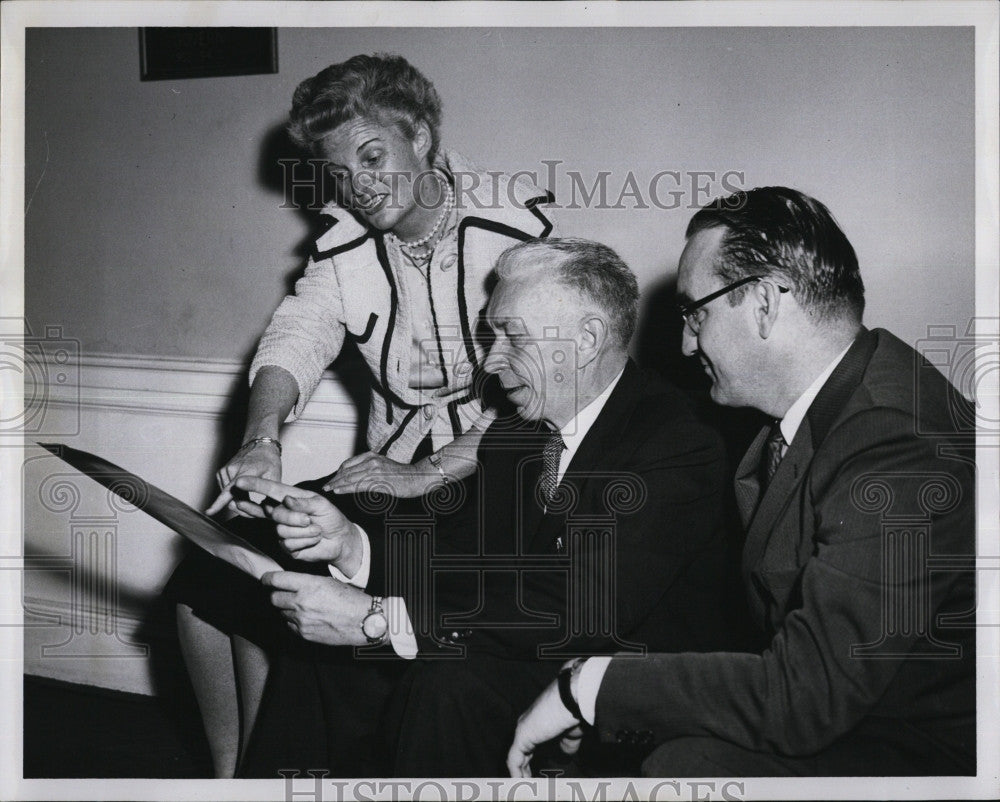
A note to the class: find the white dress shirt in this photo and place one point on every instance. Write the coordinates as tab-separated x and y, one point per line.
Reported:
592	671
574	431
401	635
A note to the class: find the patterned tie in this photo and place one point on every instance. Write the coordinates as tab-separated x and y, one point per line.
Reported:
772	453
550	466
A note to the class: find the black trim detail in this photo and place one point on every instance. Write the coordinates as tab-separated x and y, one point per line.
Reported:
456	423
395	435
347	246
391	399
434	323
366	335
532	206
383	260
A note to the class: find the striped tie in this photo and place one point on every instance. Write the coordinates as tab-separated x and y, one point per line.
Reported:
773	453
550	466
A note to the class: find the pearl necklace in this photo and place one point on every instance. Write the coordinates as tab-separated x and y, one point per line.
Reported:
409	246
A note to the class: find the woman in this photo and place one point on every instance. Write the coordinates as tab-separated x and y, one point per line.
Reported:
404	277
401	270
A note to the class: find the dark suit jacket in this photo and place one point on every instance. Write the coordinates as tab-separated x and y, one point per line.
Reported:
856	566
628	555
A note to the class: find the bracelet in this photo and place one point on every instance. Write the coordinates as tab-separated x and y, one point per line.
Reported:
566	690
257	440
435	460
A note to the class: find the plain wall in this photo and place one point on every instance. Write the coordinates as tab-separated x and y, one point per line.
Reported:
154	219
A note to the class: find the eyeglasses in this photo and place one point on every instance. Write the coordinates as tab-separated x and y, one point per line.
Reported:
688	312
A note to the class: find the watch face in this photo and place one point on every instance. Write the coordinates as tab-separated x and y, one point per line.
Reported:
374	625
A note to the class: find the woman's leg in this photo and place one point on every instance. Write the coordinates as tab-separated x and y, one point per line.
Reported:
208	655
252	666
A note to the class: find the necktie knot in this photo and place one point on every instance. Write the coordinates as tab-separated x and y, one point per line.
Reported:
551	454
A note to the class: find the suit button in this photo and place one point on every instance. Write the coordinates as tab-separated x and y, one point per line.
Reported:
623	736
449	262
429	411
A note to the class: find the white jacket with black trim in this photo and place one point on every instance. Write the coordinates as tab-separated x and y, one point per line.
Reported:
350	289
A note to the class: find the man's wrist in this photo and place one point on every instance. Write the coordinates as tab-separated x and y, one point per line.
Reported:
435	462
352	554
588	685
401	636
567	689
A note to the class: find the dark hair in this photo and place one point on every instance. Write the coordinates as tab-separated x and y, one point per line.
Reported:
381	87
780	232
592	269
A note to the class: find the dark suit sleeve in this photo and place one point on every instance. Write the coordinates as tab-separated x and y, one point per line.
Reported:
808	688
663	503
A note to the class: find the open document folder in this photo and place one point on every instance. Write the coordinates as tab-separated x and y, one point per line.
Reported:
187	521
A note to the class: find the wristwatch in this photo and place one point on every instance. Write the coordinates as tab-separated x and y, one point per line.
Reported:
375	625
566	677
435	460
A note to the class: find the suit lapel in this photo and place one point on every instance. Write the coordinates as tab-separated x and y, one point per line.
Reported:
529	470
812	431
748	479
598	448
778	493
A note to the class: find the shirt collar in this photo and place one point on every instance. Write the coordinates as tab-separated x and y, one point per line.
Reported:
797	411
574	431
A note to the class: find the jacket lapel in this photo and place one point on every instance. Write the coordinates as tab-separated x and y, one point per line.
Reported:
778	493
599	448
529	471
813	430
747	481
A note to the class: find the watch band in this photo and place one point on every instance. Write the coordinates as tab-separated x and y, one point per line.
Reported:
566	689
375	609
435	460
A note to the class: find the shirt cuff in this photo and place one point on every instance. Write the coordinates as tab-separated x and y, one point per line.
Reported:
404	642
360	578
588	685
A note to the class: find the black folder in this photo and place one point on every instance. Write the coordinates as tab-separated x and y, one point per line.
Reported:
182	518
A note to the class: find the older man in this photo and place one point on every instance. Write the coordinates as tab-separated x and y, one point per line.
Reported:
848	500
592	525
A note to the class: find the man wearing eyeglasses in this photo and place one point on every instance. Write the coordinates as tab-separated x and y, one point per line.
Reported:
859	515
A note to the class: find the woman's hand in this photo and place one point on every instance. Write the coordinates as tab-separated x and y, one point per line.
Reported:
370	471
259	459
